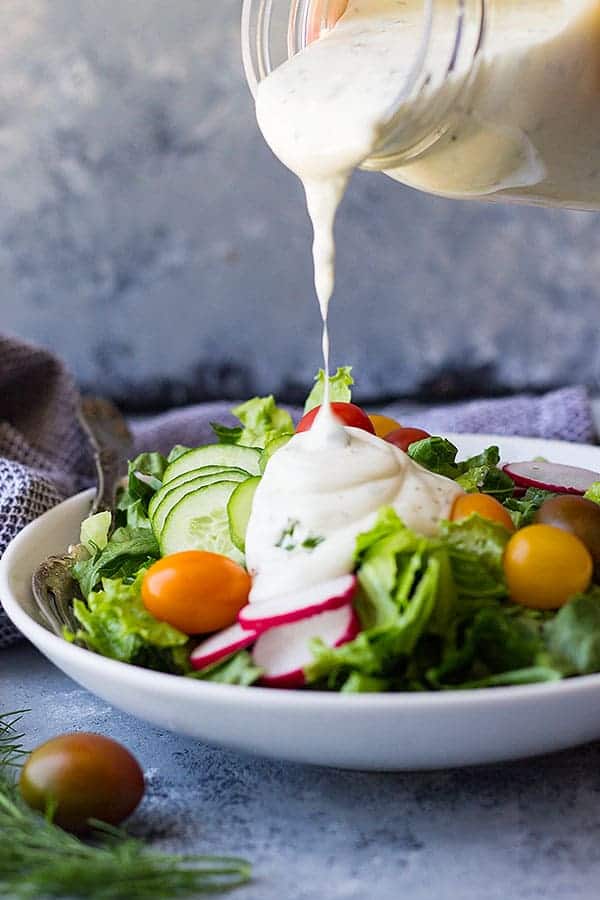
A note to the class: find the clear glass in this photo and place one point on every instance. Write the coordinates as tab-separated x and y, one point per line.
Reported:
275	30
502	100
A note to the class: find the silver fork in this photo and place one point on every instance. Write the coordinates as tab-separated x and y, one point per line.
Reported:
52	583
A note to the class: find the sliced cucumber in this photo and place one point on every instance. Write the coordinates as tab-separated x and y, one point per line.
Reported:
272	447
225	455
239	509
172	498
160	495
199	522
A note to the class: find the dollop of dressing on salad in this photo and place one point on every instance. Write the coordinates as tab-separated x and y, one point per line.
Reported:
308	510
327	485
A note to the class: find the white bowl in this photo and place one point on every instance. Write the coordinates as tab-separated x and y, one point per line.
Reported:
372	731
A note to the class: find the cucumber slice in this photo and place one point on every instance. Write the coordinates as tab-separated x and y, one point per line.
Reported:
272	447
171	498
224	455
239	509
199	522
160	495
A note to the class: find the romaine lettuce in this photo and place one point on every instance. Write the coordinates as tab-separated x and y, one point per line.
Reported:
115	623
340	386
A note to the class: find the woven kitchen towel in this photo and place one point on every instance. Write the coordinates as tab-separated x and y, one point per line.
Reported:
44	456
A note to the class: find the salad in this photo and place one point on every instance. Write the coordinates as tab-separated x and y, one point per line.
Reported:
500	587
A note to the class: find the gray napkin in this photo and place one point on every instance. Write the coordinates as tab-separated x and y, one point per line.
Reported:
44	456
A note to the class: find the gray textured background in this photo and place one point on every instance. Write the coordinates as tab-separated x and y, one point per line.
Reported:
147	234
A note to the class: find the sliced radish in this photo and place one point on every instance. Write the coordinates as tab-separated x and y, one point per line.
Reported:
220	645
283	652
300	605
551	477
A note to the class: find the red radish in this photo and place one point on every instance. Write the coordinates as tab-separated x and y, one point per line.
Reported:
220	645
551	477
283	652
300	605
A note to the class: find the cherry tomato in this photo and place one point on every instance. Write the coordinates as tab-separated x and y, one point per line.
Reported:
485	506
196	591
577	515
383	425
86	776
545	566
404	437
347	413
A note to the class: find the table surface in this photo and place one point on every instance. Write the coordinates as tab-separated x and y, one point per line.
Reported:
508	832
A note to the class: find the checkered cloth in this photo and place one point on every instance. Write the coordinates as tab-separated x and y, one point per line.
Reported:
44	455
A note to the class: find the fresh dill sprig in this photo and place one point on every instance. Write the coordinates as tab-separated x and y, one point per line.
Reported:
39	860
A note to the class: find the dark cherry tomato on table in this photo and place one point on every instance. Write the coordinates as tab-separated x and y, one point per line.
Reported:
578	516
347	413
82	776
196	591
404	437
485	506
545	566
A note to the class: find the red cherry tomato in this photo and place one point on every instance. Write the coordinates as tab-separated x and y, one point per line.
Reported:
347	413
86	776
404	437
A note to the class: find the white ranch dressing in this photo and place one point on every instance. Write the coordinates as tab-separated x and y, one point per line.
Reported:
328	484
311	504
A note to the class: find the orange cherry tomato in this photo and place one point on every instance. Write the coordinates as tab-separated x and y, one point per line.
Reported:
347	413
86	776
404	437
383	424
196	591
545	566
485	506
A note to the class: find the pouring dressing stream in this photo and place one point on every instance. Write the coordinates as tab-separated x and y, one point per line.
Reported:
328	484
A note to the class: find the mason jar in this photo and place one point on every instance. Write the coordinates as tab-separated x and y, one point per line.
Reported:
501	99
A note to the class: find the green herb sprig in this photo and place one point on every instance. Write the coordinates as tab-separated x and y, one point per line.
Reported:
39	860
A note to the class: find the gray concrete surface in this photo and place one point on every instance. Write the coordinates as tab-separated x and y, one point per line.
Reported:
523	831
148	235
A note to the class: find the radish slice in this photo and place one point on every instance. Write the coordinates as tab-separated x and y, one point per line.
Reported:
220	645
551	477
292	608
283	652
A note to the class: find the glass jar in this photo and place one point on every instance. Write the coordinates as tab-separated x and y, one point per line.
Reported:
502	100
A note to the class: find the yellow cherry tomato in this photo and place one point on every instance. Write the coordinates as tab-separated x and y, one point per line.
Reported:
383	425
196	591
485	506
545	566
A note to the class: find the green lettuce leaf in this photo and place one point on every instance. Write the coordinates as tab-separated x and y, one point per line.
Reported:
115	623
500	640
436	454
237	669
593	492
340	386
401	577
144	478
523	509
573	634
487	480
475	547
126	553
479	473
94	531
262	420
